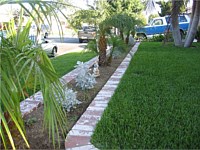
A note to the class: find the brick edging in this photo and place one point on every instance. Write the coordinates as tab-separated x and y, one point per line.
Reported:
80	135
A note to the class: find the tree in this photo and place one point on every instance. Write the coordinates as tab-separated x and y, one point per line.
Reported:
152	16
126	6
82	16
193	23
125	23
22	62
166	7
175	23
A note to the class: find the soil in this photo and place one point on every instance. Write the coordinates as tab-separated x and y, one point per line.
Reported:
38	138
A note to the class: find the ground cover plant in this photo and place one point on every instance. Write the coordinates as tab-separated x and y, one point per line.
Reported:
156	104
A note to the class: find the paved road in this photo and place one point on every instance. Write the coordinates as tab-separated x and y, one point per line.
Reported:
66	44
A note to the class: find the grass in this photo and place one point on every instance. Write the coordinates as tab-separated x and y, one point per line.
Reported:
65	63
157	103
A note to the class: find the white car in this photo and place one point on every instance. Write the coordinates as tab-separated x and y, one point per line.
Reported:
50	48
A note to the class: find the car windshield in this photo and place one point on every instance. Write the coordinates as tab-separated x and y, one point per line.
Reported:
150	22
89	28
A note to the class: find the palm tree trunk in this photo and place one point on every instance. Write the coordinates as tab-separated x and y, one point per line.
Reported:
127	37
122	34
193	24
102	50
175	25
191	17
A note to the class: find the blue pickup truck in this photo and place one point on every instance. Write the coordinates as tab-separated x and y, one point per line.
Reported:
160	25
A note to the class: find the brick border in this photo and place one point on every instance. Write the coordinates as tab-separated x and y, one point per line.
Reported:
80	135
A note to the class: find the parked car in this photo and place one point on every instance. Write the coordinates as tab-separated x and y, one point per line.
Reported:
50	48
160	25
86	33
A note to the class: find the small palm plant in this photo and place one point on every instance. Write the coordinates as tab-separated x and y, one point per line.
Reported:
117	45
22	62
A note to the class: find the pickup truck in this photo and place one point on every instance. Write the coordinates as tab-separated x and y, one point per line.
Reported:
86	33
160	25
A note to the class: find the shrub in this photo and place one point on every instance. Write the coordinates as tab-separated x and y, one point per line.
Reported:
84	80
92	46
69	99
157	38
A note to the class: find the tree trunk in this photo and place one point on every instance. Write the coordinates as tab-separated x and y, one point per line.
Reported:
193	24
102	50
122	34
127	38
175	24
191	17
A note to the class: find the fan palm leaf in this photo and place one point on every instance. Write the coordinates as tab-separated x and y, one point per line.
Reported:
21	62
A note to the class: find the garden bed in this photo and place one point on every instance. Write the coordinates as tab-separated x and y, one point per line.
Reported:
38	139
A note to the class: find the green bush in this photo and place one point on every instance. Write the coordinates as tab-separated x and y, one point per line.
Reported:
157	38
92	46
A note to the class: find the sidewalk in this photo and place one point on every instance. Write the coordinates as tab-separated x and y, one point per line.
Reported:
79	136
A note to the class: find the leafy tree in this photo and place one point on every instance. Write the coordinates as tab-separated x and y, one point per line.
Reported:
124	23
82	16
166	7
126	6
153	16
118	14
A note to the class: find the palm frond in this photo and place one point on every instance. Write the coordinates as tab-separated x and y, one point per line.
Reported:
22	63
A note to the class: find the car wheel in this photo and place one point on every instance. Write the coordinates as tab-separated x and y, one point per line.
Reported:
80	41
141	36
54	51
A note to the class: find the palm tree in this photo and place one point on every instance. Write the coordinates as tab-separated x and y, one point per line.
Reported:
193	23
21	63
102	44
175	24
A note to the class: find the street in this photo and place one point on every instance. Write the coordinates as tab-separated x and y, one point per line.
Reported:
67	43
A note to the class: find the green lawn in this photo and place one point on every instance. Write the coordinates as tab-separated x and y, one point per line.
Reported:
65	63
157	103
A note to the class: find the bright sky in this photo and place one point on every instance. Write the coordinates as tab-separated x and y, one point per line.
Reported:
81	3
